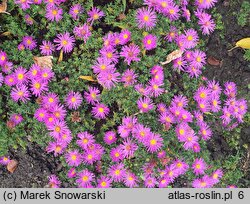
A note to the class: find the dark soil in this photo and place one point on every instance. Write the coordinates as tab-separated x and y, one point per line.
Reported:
35	165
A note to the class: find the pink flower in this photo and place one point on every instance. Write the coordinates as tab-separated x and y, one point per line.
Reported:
154	143
71	173
100	111
104	182
82	32
128	148
145	104
3	58
54	13
47	48
216	175
73	158
150	42
191	37
29	42
125	37
117	172
205	131
95	14
130	53
65	42
20	93
4	160
85	140
92	96
75	11
85	178
54	182
146	18
199	166
204	182
110	137
73	100
129	77
130	179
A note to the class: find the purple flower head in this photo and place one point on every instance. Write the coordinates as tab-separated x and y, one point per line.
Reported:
20	93
146	18
100	111
82	32
92	96
109	78
104	182
117	172
130	53
199	166
24	4
129	77
73	158
28	19
75	11
65	42
85	178
128	148
191	38
47	48
73	100
29	42
54	182
95	14
125	37
154	143
37	87
150	42
4	160
85	140
204	182
145	104
110	137
54	13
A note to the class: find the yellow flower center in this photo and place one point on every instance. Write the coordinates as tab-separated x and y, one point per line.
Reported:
54	12
146	18
144	105
73	157
57	129
149	42
153	142
85	178
73	99
37	85
20	76
181	131
64	42
101	110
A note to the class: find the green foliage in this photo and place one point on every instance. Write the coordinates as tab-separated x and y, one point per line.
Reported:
247	55
243	17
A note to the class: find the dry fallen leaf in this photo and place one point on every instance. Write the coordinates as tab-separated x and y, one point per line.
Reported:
43	62
243	43
12	165
172	56
3	7
213	61
60	57
88	78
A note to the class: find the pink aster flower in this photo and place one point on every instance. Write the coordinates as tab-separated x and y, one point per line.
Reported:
82	32
170	173
230	89
117	172
180	101
21	75
130	179
46	74
150	42
110	54
58	128
101	65
110	137
47	48
145	104
100	111
214	87
10	80
216	176
227	116
179	64
215	104
35	72
128	148
73	158
16	118
37	2
85	140
204	106
198	59
199	166
206	22
57	147
104	182
193	71
59	111
92	96
20	93
65	137
191	37
85	178
180	167
172	12
161	108
37	87
146	18
71	173
173	33
21	47
150	182
109	78
54	182
154	143
4	160
75	11
65	42
24	4
95	14
73	100
125	37
130	53
202	93
204	182
142	133
89	157
205	4
41	114
50	100
54	13
129	77
116	154
155	88
7	67
3	58
205	131
186	14
29	42
167	119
